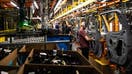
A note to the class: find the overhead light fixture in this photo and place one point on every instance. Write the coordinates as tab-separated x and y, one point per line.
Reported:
51	15
77	7
35	4
58	3
14	4
64	1
57	10
38	17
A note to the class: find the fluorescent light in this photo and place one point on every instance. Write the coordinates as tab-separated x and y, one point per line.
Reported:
51	15
104	1
64	1
58	3
37	18
57	9
14	4
35	4
17	7
77	7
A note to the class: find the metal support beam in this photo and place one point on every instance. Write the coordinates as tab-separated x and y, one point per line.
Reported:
42	11
21	10
21	14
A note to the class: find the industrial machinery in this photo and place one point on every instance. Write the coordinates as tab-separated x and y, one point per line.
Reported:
109	23
112	25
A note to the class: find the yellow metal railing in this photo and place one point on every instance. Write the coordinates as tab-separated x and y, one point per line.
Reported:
9	30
